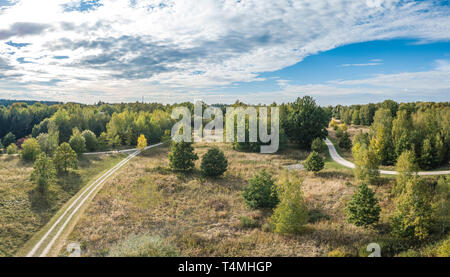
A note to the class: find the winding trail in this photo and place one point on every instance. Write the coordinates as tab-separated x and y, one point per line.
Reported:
337	158
46	242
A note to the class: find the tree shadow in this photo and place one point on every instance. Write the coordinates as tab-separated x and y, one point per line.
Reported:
70	181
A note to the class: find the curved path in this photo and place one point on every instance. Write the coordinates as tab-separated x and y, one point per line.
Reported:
337	158
45	243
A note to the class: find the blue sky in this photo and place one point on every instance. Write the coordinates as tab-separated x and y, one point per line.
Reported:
257	51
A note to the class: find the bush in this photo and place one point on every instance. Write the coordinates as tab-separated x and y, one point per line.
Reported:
248	222
318	145
11	149
291	213
144	246
141	142
214	163
260	192
182	156
339	253
444	249
314	162
77	142
90	139
30	150
363	208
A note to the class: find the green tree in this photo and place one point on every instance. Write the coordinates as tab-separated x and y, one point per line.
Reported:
291	213
77	142
428	155
441	204
65	158
44	173
381	142
356	117
30	150
91	140
345	142
8	139
314	162
406	167
260	191
413	215
318	145
182	156
214	163
363	208
103	141
47	143
305	121
366	164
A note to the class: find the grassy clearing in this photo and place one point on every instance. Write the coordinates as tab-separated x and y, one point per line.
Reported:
23	211
207	217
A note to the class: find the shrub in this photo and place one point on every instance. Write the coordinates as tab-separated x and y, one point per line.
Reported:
318	145
77	142
291	213
44	172
90	139
214	163
65	158
363	208
248	222
141	142
144	245
444	249
30	150
260	192
11	149
314	162
182	156
339	253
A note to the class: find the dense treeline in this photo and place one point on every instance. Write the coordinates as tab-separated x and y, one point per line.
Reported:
422	127
109	124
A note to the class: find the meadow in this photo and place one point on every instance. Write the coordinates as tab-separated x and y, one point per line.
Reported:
23	212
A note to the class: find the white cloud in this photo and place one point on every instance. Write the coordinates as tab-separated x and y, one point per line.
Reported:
119	49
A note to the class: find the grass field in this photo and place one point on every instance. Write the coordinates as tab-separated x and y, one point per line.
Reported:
199	216
23	212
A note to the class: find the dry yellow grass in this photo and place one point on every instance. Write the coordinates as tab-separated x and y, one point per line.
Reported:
201	215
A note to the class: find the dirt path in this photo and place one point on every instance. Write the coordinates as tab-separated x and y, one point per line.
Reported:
56	227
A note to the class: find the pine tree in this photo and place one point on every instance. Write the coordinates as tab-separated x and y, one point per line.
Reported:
314	162
214	163
291	213
363	208
182	156
65	158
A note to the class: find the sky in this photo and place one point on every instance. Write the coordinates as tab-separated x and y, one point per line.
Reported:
219	51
